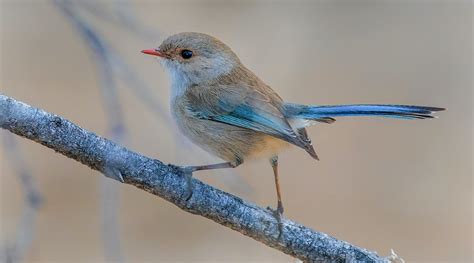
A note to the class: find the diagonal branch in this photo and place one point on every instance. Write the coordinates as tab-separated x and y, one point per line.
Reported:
160	179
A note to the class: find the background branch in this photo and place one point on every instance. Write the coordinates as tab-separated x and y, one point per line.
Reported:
17	250
159	179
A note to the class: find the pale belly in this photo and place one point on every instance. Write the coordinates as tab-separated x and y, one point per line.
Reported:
230	143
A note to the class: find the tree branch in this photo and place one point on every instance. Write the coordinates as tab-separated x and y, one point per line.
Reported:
162	180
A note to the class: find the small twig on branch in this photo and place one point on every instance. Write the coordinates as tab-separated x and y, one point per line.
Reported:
162	180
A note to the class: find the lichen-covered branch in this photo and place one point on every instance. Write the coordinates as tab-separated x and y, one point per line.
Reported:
162	180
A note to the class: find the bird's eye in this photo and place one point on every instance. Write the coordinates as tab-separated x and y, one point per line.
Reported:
186	54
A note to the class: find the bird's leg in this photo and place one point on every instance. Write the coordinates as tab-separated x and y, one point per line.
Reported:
211	166
188	172
279	211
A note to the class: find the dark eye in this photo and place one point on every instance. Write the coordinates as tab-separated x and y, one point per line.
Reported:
186	54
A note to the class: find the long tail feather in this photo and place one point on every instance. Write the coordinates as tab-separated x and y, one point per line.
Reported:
392	111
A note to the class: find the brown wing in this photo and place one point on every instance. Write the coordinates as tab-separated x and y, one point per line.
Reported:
251	105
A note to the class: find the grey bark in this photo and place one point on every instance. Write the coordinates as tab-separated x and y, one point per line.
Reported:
164	181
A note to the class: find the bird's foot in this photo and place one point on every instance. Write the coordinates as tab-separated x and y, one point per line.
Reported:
187	172
278	213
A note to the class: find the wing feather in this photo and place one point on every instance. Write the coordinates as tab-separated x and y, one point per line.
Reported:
245	107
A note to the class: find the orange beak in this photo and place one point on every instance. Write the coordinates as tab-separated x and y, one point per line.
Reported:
153	52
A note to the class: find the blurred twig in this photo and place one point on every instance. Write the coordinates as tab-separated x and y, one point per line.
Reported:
109	56
159	179
26	227
120	14
109	190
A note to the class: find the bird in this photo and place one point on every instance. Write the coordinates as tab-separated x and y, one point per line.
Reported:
223	107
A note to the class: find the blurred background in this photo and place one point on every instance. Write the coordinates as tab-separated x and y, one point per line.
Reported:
380	184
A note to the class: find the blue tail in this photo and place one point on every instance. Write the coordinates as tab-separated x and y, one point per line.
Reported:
325	113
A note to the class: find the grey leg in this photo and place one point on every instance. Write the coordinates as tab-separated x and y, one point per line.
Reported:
192	169
188	172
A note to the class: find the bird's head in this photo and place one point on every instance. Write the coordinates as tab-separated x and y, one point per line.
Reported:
195	57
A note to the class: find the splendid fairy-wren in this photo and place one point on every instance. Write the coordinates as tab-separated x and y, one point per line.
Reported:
227	110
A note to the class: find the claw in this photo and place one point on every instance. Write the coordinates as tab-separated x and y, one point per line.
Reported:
183	169
280	207
277	213
189	186
187	172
